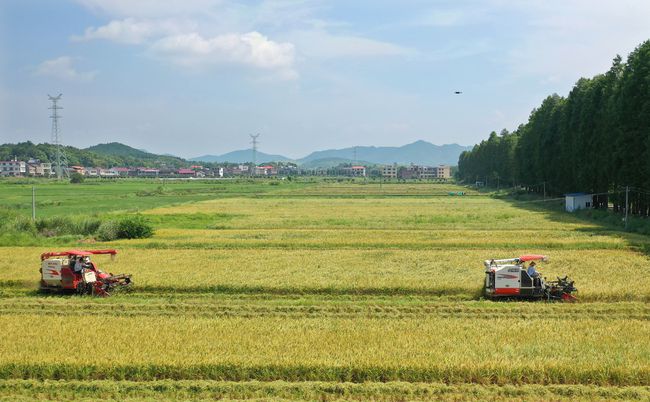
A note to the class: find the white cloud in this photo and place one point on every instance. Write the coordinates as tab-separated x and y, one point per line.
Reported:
203	33
250	49
323	45
63	68
132	31
150	8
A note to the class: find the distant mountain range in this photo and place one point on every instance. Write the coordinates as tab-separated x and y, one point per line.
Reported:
117	154
242	156
419	152
326	163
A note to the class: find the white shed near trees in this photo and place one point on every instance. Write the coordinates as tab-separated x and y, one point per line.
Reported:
575	201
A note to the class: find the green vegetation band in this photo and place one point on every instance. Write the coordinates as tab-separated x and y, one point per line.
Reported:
229	372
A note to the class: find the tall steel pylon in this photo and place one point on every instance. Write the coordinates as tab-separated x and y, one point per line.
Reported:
254	142
60	163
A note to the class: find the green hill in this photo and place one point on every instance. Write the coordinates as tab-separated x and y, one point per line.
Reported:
132	157
119	149
103	155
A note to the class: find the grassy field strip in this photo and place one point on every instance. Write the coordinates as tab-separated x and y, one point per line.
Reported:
389	213
377	188
325	245
328	349
93	197
374	238
595	311
25	390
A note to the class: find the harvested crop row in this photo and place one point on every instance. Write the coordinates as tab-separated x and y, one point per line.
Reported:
430	349
597	311
331	391
310	313
184	303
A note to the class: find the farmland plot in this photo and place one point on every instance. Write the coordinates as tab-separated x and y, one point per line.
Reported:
335	291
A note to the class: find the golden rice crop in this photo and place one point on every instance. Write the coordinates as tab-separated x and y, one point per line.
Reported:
379	188
342	238
453	272
321	284
431	349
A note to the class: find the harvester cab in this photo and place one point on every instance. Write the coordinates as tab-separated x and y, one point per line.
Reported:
72	271
509	279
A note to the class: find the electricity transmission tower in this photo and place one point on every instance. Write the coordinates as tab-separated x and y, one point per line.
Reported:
254	142
60	163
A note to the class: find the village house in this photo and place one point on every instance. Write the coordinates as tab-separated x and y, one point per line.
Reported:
147	172
37	168
91	172
13	168
389	171
265	170
425	172
121	171
107	173
576	201
354	171
76	169
184	172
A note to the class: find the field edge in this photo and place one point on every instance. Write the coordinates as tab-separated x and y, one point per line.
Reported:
25	390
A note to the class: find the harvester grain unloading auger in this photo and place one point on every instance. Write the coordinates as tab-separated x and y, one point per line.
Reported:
72	271
509	279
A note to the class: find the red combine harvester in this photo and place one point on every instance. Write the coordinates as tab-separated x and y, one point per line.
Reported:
72	271
510	279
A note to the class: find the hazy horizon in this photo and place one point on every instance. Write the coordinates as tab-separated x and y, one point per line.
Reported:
195	77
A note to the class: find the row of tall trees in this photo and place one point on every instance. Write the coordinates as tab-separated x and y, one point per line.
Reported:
596	140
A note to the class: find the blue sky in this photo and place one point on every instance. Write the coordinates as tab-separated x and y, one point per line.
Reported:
191	77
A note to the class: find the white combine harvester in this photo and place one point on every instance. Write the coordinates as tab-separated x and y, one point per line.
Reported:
509	279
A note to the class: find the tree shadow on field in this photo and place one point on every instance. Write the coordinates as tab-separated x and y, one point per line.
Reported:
601	222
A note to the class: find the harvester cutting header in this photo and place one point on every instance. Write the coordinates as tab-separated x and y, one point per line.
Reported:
510	278
73	271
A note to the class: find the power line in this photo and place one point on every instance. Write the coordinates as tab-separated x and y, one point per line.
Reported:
60	164
639	190
254	142
562	198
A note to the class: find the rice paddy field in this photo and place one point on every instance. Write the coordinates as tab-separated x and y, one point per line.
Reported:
317	290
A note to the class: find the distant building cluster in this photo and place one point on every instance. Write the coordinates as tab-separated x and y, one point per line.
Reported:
195	171
416	172
32	167
35	168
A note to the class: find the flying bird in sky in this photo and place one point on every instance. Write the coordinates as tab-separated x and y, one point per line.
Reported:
458	92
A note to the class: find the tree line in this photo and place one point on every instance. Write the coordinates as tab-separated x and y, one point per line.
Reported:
595	140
